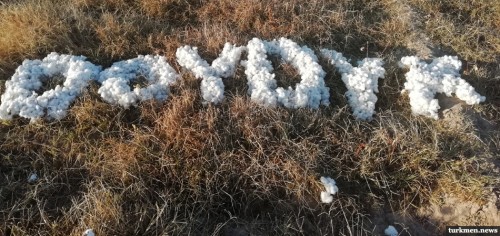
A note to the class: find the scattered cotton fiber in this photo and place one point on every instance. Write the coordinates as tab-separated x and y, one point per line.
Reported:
21	96
442	75
330	189
115	80
361	82
391	231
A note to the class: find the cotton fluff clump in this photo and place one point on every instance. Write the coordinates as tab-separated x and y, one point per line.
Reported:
391	231
361	82
442	75
212	87
32	178
310	92
331	189
21	99
89	232
115	80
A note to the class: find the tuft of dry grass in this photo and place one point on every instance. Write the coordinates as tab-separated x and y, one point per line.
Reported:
40	24
183	168
470	28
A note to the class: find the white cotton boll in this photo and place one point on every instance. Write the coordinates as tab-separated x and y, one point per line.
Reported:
32	178
113	90
88	232
284	95
409	61
391	231
21	99
115	80
144	94
361	82
466	92
442	75
304	96
127	99
330	187
212	89
264	97
188	58
326	197
336	58
153	91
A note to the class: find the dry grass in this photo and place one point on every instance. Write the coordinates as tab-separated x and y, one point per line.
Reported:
41	28
181	168
470	28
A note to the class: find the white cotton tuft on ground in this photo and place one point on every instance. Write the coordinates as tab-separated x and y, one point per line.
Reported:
88	232
330	189
32	178
225	65
361	82
212	87
391	231
115	80
310	92
20	97
442	75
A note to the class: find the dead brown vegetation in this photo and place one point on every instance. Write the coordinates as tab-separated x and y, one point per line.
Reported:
182	168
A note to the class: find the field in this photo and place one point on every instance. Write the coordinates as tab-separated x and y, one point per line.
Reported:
236	168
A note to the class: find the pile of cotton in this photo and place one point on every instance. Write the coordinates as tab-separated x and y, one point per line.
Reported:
20	97
331	189
442	75
115	80
225	65
212	87
258	69
310	92
361	82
